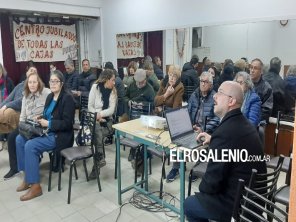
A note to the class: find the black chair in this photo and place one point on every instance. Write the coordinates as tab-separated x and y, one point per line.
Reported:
135	112
282	195
74	154
188	90
273	162
249	206
265	184
198	170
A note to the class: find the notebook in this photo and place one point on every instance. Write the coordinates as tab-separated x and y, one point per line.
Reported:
180	128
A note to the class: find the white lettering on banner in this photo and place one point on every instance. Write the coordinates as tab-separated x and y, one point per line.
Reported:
130	45
44	43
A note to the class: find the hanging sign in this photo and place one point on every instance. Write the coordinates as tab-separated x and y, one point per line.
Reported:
44	42
130	45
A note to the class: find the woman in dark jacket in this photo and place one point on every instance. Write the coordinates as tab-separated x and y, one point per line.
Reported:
58	118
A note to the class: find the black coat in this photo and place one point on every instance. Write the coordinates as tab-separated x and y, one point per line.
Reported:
62	121
219	184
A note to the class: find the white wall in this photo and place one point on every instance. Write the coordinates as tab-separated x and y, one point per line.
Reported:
149	15
71	7
262	40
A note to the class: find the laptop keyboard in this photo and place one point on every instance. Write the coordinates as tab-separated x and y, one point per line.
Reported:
188	141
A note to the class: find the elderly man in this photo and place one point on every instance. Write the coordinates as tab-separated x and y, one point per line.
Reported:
262	88
217	189
71	76
201	111
140	91
151	76
280	96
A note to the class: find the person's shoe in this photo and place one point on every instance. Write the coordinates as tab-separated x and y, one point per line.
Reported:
92	175
102	163
173	174
11	173
109	140
194	178
24	186
35	191
131	155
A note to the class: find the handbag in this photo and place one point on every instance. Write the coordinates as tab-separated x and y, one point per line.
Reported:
30	129
83	137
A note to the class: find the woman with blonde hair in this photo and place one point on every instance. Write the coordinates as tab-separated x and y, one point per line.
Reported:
102	100
171	90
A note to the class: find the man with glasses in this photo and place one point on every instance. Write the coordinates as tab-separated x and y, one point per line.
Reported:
262	88
201	111
217	190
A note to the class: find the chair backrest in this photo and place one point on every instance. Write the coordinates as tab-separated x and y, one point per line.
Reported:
83	103
188	90
266	184
246	207
86	132
136	109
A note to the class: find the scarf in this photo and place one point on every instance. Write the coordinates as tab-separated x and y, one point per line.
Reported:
105	95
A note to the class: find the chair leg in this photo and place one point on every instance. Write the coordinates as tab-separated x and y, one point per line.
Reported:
60	174
103	143
85	170
115	170
97	173
70	182
189	183
50	170
163	169
150	166
136	168
75	171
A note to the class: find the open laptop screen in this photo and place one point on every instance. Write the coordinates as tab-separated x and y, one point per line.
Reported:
178	122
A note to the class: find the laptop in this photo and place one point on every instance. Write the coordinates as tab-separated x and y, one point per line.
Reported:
180	128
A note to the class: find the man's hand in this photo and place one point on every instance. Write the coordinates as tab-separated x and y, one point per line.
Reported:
99	117
197	129
204	137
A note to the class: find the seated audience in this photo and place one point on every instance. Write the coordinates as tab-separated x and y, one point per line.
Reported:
201	111
189	76
151	76
157	67
131	69
263	89
58	118
120	89
6	87
171	91
141	92
32	106
71	75
290	82
278	87
217	190
251	107
239	66
216	76
102	100
85	81
11	107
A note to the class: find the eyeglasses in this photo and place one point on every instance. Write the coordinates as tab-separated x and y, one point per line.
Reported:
240	82
223	93
53	82
204	81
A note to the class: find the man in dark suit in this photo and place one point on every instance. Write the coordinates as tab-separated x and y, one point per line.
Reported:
217	189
